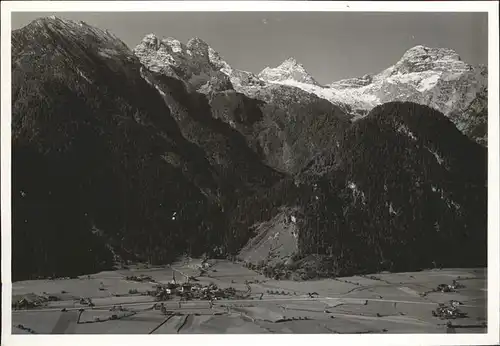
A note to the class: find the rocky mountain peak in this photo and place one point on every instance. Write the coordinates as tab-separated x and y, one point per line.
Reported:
197	42
289	70
174	44
436	77
76	43
170	44
290	62
171	50
48	28
194	62
421	58
421	51
150	39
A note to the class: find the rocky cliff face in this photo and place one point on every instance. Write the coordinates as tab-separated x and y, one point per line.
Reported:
195	62
289	125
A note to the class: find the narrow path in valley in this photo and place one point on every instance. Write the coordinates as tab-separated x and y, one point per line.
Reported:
192	304
161	324
187	321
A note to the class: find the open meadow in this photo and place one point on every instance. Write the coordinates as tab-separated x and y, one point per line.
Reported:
226	297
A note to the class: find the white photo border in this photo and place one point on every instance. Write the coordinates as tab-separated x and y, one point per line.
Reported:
491	7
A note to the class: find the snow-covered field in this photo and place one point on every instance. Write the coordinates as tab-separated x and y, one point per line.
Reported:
388	302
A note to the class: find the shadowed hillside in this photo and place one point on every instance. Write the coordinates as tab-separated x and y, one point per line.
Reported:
95	148
405	190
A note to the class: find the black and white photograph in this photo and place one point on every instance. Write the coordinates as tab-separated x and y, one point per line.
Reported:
263	170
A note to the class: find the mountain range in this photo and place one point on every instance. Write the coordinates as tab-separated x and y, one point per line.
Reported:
166	150
435	77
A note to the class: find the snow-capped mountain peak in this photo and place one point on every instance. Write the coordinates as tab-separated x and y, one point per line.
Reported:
421	59
288	72
436	77
195	60
290	62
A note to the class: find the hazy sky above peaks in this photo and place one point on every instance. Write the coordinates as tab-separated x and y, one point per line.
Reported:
330	45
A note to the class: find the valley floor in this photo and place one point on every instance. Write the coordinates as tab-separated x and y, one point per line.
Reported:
380	303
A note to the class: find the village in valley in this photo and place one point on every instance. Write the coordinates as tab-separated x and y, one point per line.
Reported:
221	296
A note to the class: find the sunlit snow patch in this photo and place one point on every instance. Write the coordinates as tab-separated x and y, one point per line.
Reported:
406	131
83	76
356	192
436	155
391	209
428	83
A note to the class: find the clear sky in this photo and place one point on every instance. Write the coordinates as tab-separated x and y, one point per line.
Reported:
330	45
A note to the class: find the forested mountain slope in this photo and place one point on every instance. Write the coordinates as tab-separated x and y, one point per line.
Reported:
98	159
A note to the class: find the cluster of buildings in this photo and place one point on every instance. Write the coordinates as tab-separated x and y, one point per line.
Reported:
189	291
32	301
